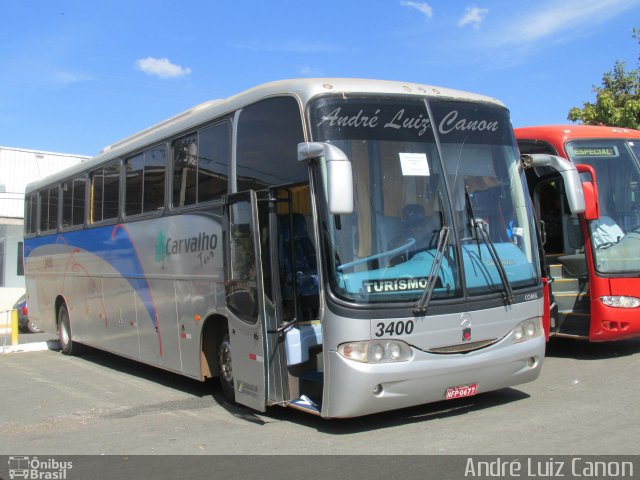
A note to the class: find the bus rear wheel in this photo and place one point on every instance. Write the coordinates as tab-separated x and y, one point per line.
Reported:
64	331
226	368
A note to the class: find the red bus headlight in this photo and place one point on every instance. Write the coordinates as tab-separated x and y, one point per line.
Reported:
620	301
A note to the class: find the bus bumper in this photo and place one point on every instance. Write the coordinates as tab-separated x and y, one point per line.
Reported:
610	324
361	389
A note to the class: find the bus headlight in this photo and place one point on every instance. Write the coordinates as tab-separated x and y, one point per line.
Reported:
620	301
376	351
527	330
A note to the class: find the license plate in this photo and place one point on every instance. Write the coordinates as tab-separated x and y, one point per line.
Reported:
461	391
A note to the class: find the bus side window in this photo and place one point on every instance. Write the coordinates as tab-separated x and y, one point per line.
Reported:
79	196
213	163
144	186
153	179
73	194
241	284
201	165
31	215
105	193
49	209
133	186
268	135
185	170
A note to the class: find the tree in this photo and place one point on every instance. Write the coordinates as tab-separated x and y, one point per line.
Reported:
617	100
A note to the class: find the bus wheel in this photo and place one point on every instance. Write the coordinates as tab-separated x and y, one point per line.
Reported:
226	369
64	330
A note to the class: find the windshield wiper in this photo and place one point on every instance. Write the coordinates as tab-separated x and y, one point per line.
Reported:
443	242
479	229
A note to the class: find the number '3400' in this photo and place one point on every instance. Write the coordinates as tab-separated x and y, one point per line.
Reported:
394	328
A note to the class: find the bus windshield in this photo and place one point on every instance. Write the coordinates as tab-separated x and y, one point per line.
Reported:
615	236
411	184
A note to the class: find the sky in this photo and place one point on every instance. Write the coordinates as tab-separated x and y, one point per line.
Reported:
78	75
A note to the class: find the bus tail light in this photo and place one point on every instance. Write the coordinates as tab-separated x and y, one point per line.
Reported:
376	351
620	301
527	330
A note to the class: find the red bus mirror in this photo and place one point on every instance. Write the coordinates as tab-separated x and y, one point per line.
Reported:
590	191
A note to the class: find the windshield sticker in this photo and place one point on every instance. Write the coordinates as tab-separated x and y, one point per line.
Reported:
414	164
401	120
395	285
409	121
595	151
452	122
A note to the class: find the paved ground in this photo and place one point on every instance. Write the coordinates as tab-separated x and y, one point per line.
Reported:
28	342
585	402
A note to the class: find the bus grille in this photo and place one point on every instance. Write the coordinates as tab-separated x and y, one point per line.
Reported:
463	347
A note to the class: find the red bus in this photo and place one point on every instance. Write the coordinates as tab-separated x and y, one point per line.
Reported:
591	259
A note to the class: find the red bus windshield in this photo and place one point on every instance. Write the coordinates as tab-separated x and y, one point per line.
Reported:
615	236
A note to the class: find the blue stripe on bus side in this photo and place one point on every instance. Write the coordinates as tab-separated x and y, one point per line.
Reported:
112	244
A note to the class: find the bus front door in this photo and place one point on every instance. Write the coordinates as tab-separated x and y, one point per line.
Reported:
245	300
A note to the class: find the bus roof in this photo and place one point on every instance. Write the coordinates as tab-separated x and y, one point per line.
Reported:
564	133
304	89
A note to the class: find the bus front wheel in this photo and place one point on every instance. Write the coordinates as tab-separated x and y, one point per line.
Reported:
64	331
226	368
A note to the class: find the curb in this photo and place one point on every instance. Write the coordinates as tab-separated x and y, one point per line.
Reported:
30	347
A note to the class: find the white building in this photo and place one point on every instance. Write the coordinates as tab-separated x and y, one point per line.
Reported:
18	167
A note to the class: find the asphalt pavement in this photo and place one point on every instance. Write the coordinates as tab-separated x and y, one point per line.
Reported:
585	402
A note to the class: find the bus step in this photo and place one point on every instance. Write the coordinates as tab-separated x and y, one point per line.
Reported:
305	404
555	270
566	285
573	302
574	323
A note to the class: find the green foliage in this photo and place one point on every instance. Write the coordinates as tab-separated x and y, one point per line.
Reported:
617	100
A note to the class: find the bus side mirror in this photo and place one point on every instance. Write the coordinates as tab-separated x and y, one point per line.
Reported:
339	174
570	175
590	190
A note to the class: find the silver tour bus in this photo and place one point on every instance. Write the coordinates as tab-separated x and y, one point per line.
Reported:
339	246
